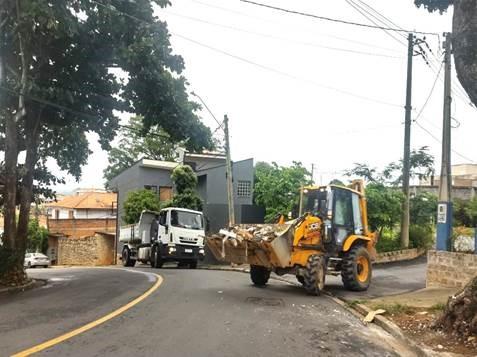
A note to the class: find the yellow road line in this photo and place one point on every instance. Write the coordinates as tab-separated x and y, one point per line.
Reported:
66	336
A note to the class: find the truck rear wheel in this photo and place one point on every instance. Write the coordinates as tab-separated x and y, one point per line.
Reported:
126	258
156	260
356	269
259	275
314	277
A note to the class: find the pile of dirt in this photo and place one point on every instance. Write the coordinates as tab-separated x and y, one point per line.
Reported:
419	325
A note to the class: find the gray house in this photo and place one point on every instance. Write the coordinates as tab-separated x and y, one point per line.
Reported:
211	173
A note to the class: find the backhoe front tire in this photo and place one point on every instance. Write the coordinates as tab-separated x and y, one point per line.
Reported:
314	277
259	275
356	269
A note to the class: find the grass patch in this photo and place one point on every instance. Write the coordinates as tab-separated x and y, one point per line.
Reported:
437	307
353	303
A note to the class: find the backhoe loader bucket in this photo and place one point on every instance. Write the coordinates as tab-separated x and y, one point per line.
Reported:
267	245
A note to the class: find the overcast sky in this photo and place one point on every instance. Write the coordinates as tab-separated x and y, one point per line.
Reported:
296	88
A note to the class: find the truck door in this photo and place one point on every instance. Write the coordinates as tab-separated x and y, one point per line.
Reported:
343	225
163	231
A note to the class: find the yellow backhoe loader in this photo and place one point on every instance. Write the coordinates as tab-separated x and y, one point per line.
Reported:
330	236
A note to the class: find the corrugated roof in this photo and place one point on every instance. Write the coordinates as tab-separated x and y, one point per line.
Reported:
88	200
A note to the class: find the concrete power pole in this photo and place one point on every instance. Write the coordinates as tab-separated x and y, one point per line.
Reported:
444	208
230	187
407	147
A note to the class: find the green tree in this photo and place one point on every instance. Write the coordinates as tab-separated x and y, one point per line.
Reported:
465	212
185	183
57	84
423	208
138	201
277	188
135	144
384	206
37	237
464	41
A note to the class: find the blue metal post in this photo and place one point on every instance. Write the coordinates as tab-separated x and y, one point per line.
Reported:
444	226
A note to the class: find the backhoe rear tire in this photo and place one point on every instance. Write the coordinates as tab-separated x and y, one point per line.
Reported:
356	269
259	275
314	277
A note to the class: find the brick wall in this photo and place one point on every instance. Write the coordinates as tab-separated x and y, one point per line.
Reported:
450	269
399	255
77	228
93	250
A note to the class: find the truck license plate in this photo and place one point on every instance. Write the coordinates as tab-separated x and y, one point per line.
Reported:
187	250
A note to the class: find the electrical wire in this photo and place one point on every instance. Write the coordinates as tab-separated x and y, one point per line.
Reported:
429	95
312	44
365	14
334	19
361	43
245	60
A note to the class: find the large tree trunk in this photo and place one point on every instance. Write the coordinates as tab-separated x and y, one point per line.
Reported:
464	28
460	314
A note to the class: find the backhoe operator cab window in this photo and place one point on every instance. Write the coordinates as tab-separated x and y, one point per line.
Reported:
316	202
347	215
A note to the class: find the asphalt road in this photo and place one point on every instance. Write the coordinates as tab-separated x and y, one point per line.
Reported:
193	313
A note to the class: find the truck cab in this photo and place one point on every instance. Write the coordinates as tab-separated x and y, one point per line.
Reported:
173	234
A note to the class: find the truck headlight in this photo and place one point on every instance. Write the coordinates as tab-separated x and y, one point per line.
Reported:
201	251
172	250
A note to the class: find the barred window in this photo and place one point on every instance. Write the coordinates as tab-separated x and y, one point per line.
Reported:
244	189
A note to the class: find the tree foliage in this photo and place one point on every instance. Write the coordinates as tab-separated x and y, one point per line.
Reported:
138	201
57	60
434	5
384	206
37	237
185	183
277	187
423	208
135	144
421	167
465	212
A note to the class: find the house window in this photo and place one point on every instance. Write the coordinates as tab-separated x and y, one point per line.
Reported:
165	193
244	188
153	188
57	213
71	214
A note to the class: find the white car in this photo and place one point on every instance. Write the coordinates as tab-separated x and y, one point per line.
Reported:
35	260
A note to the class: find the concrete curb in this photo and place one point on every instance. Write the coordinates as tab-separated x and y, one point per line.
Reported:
30	285
358	310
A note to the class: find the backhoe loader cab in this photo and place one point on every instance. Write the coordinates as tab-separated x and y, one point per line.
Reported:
330	236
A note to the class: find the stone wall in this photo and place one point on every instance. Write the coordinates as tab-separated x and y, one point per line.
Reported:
93	250
77	228
398	255
450	269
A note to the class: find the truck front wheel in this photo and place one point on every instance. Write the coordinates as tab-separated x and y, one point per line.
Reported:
156	260
259	275
126	258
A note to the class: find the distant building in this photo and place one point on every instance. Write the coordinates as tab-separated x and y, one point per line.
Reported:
464	182
80	225
210	169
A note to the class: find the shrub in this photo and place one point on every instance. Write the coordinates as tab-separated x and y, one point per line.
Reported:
388	243
421	236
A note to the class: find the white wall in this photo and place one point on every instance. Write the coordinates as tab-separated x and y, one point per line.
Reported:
80	213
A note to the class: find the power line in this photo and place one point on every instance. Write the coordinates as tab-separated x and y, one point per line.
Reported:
285	74
283	38
430	94
245	60
439	141
364	12
361	43
334	19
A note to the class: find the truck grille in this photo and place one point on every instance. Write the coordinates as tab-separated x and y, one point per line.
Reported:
188	240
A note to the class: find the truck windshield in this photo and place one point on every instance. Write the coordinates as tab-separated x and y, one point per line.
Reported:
187	220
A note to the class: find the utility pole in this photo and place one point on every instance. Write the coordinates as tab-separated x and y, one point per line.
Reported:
407	146
230	187
444	208
312	171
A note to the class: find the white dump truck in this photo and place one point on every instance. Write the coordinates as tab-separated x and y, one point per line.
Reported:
173	234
